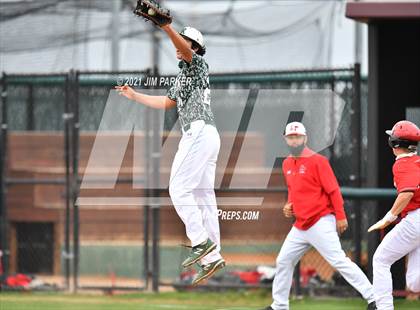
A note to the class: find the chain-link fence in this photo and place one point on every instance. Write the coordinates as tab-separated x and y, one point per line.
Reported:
45	147
34	177
52	124
251	241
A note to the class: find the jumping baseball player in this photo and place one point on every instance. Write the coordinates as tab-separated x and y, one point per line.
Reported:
193	170
404	238
315	200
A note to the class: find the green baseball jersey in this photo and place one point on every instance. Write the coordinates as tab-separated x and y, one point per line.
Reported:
191	91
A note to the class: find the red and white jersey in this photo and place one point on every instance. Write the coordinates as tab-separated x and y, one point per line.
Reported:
406	170
312	188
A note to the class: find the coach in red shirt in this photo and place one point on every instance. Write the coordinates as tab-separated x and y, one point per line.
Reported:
315	200
312	186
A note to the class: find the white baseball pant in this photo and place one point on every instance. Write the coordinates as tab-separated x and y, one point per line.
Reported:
403	239
324	238
191	185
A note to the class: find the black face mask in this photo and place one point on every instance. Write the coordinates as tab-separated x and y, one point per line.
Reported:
296	150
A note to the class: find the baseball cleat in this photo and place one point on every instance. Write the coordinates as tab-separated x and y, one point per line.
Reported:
198	252
268	308
208	270
372	306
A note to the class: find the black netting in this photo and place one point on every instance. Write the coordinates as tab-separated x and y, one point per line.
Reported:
55	36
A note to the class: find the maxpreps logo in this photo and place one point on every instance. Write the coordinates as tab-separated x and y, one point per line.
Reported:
252	141
238	215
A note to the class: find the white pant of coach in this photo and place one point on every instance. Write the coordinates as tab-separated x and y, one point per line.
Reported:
403	239
324	238
191	185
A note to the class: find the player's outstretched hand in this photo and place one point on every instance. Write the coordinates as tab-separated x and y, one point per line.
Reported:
379	225
342	226
125	91
288	210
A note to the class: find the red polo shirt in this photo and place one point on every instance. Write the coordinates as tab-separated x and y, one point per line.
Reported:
406	172
312	188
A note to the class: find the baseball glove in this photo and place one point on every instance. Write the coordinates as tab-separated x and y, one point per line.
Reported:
151	10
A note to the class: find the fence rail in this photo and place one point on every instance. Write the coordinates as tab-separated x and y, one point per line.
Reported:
72	103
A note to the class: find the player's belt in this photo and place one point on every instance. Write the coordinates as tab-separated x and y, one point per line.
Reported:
207	122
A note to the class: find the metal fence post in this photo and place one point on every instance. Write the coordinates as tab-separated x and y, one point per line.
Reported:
156	141
155	248
156	193
146	211
30	121
4	246
67	118
75	176
356	164
297	286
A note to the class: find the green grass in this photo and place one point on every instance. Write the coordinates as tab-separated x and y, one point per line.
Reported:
174	301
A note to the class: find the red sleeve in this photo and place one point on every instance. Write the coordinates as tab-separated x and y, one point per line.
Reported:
406	176
326	176
330	186
338	204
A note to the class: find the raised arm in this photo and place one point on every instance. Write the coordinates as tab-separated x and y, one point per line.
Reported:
179	42
156	102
